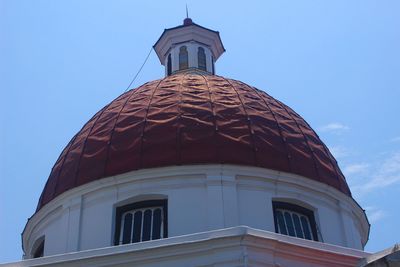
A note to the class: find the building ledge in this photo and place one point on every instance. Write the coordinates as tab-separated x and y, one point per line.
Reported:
239	244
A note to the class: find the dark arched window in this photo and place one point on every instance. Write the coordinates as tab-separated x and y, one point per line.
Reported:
183	58
38	248
201	56
169	65
212	62
141	221
294	220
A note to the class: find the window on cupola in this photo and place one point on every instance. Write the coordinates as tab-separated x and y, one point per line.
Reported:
294	220
141	221
183	58
169	65
213	67
201	56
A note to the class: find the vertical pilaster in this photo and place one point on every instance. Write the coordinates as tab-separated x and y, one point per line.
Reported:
192	53
230	201
209	62
74	218
215	208
347	228
222	206
175	58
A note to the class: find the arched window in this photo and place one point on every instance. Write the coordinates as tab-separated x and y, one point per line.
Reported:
294	221
212	62
183	58
38	248
169	65
201	56
141	221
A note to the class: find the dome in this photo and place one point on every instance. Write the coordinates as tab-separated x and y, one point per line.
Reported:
192	118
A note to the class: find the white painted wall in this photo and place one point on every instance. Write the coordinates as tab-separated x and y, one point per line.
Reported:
200	198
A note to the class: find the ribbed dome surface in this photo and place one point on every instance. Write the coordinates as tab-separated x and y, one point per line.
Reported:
191	118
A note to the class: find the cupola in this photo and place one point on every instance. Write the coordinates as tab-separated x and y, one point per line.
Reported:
189	47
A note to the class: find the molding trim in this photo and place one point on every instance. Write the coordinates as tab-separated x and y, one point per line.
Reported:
261	247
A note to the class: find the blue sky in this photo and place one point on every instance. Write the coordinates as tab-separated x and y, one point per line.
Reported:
337	63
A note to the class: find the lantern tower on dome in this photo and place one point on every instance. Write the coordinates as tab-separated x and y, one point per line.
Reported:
189	47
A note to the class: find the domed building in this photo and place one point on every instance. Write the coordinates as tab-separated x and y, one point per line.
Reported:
195	169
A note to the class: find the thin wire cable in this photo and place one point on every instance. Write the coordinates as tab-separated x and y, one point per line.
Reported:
140	69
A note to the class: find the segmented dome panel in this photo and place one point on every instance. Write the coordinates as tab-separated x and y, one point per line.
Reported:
187	119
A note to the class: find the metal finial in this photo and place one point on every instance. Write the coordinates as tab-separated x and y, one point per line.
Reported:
187	21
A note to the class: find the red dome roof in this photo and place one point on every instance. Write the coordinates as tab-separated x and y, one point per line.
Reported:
192	119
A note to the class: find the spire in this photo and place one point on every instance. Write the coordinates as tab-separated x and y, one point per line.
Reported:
187	21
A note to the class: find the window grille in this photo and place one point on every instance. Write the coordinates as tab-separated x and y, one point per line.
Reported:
294	221
141	221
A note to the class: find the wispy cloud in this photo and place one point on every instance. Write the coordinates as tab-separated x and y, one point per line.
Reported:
395	139
355	168
374	214
339	151
387	174
334	127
